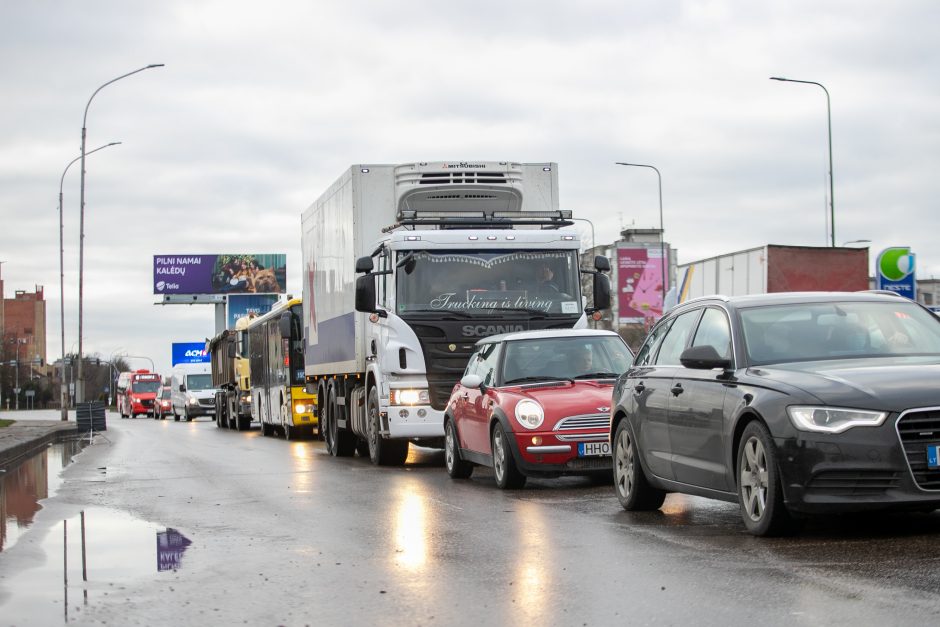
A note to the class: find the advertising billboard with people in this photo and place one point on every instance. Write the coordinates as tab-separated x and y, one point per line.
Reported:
220	274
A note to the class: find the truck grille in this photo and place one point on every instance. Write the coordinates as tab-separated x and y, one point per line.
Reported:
207	402
917	429
445	366
147	402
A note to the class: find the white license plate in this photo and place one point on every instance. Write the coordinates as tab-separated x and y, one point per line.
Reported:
593	449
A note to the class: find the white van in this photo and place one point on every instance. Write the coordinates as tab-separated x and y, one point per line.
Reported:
192	391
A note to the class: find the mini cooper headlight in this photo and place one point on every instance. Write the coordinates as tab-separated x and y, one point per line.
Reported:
529	414
833	419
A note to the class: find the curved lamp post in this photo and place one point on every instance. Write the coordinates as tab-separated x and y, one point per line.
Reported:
63	387
662	245
80	387
832	202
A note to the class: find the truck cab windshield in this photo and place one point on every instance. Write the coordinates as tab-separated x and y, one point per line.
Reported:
474	282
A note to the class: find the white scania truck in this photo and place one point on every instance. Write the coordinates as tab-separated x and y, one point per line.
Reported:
448	253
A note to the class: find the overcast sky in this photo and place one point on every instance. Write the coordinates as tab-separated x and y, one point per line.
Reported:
262	105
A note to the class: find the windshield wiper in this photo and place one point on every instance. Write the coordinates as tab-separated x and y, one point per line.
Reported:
538	378
598	375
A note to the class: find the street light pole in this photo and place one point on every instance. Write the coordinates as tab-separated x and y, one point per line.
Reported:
832	201
662	244
63	386
80	391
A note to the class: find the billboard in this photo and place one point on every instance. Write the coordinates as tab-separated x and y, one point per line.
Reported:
189	353
895	271
219	274
640	283
243	304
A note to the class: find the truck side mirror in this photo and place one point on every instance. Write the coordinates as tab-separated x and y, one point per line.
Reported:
230	350
601	291
365	291
364	264
601	263
283	325
182	387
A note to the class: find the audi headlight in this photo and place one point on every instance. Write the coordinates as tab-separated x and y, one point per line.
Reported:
833	419
409	397
529	414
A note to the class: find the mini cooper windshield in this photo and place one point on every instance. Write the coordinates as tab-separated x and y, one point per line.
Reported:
603	357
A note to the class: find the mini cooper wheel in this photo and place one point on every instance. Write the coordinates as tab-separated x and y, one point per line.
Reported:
760	490
633	489
456	467
507	474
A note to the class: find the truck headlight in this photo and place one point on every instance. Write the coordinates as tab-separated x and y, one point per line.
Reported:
300	408
409	397
529	414
833	419
192	401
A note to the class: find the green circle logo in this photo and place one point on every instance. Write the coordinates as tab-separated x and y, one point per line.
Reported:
895	263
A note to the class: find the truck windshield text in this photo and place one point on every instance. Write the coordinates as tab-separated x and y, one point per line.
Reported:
481	282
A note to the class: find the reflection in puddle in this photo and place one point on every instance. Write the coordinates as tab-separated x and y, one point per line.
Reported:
117	549
23	486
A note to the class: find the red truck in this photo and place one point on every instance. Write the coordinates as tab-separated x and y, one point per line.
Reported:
137	392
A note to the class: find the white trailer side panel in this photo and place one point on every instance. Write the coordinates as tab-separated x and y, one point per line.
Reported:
337	229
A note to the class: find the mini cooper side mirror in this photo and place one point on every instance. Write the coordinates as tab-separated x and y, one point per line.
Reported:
472	381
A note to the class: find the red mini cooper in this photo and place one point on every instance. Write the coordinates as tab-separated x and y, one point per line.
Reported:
535	404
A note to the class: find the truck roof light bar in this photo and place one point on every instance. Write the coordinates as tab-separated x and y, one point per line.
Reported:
483	219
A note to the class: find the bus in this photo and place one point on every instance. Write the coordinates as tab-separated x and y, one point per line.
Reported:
276	373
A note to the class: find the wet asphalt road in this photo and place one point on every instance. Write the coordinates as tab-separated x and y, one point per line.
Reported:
283	534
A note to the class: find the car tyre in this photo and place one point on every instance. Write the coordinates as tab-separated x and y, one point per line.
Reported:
456	467
633	488
760	486
382	451
507	473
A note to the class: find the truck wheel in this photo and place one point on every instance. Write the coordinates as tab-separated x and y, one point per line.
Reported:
339	442
382	452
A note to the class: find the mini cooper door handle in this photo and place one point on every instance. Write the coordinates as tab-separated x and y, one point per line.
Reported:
677	389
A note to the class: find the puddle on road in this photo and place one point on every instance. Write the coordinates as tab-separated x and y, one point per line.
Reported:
23	486
117	549
93	553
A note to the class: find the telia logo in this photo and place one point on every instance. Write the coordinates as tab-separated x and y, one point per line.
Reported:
160	286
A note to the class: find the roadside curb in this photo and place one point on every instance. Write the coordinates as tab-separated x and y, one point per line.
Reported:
25	438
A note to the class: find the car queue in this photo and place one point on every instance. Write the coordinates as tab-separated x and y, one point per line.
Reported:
788	404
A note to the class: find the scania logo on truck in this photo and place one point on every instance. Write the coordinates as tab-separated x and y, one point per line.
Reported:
464	164
482	330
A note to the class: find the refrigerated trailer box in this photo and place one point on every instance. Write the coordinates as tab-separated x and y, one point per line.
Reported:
775	268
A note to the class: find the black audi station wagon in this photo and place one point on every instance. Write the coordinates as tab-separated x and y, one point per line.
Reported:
790	404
